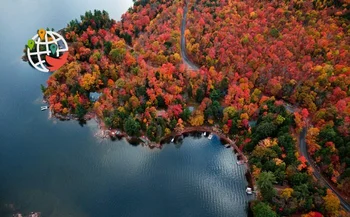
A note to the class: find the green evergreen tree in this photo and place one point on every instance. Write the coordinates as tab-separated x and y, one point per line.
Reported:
262	209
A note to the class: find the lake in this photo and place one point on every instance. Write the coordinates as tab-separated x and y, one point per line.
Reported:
62	169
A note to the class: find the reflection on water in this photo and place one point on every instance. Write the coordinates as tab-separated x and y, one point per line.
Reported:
62	169
79	175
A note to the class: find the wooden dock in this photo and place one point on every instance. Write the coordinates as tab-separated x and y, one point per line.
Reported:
222	136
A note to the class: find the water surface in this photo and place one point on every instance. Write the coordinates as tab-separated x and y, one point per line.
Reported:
62	169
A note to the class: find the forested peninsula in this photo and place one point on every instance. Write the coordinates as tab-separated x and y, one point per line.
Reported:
263	72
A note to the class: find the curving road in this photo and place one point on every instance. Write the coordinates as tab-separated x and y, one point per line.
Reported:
316	172
302	136
184	56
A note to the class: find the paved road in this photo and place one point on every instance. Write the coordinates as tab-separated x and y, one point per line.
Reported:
291	108
184	56
316	172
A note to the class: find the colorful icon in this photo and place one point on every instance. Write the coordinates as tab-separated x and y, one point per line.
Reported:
51	52
53	48
31	44
56	63
42	33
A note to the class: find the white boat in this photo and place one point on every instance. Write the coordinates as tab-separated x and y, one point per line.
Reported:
205	133
249	191
172	140
43	108
210	136
240	162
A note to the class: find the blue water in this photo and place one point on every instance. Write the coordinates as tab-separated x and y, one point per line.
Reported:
62	169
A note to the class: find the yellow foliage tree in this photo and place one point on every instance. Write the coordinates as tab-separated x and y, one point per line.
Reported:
287	193
225	129
65	111
268	142
311	138
87	81
118	44
255	95
256	171
277	161
179	125
134	101
244	116
228	113
332	203
298	122
167	131
97	109
197	119
121	109
176	58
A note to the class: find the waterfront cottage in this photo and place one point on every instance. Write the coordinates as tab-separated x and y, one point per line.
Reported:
94	96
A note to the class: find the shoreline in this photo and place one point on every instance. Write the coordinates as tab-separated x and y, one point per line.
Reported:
144	140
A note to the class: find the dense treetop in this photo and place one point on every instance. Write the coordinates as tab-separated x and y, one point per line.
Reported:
297	51
253	55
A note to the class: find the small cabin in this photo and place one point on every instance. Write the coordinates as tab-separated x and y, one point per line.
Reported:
94	96
191	108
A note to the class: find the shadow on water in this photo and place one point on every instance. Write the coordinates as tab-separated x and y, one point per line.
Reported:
178	145
249	210
196	135
82	122
178	141
134	141
115	139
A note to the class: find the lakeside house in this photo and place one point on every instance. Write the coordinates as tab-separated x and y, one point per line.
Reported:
252	123
191	108
94	96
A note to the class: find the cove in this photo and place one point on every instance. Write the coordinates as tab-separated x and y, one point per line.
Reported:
61	169
81	175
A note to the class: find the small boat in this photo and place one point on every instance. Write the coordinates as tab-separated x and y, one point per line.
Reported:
240	162
205	133
172	140
43	108
227	145
210	136
249	191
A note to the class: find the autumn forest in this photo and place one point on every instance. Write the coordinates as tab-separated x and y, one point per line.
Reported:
270	74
